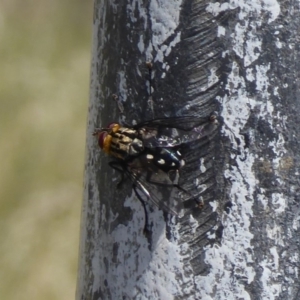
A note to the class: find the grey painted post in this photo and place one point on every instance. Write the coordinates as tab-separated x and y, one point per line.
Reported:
240	58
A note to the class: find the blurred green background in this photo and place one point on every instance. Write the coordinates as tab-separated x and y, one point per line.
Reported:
45	65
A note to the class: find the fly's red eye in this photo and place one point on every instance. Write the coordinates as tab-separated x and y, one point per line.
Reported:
101	137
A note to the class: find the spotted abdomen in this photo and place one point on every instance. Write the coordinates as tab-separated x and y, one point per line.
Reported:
166	159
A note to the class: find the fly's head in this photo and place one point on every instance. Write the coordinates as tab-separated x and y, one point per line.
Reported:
104	136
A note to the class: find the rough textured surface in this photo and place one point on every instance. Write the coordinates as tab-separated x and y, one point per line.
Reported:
238	58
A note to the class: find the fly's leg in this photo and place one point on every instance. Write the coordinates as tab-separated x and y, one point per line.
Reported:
199	203
119	103
149	65
174	183
120	168
147	229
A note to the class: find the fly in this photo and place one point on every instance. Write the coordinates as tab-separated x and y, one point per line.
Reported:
151	154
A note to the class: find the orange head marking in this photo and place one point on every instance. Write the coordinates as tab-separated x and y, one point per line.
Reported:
114	127
104	136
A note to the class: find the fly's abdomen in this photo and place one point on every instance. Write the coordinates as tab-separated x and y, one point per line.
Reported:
166	159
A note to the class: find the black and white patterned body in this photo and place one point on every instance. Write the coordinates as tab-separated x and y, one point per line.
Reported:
151	155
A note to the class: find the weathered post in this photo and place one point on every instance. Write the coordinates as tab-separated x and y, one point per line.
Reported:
239	58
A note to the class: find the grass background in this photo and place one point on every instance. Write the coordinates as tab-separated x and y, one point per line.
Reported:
44	86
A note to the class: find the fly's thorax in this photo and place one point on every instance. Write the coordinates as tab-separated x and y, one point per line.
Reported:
125	143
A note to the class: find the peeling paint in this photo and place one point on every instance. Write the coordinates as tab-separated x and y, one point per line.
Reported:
236	249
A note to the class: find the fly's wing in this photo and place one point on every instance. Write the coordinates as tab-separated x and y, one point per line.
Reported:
171	132
185	123
157	186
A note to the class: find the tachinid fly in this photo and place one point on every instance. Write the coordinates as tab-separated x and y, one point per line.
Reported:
151	154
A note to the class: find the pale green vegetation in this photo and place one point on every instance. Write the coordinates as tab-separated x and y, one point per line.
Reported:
45	62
